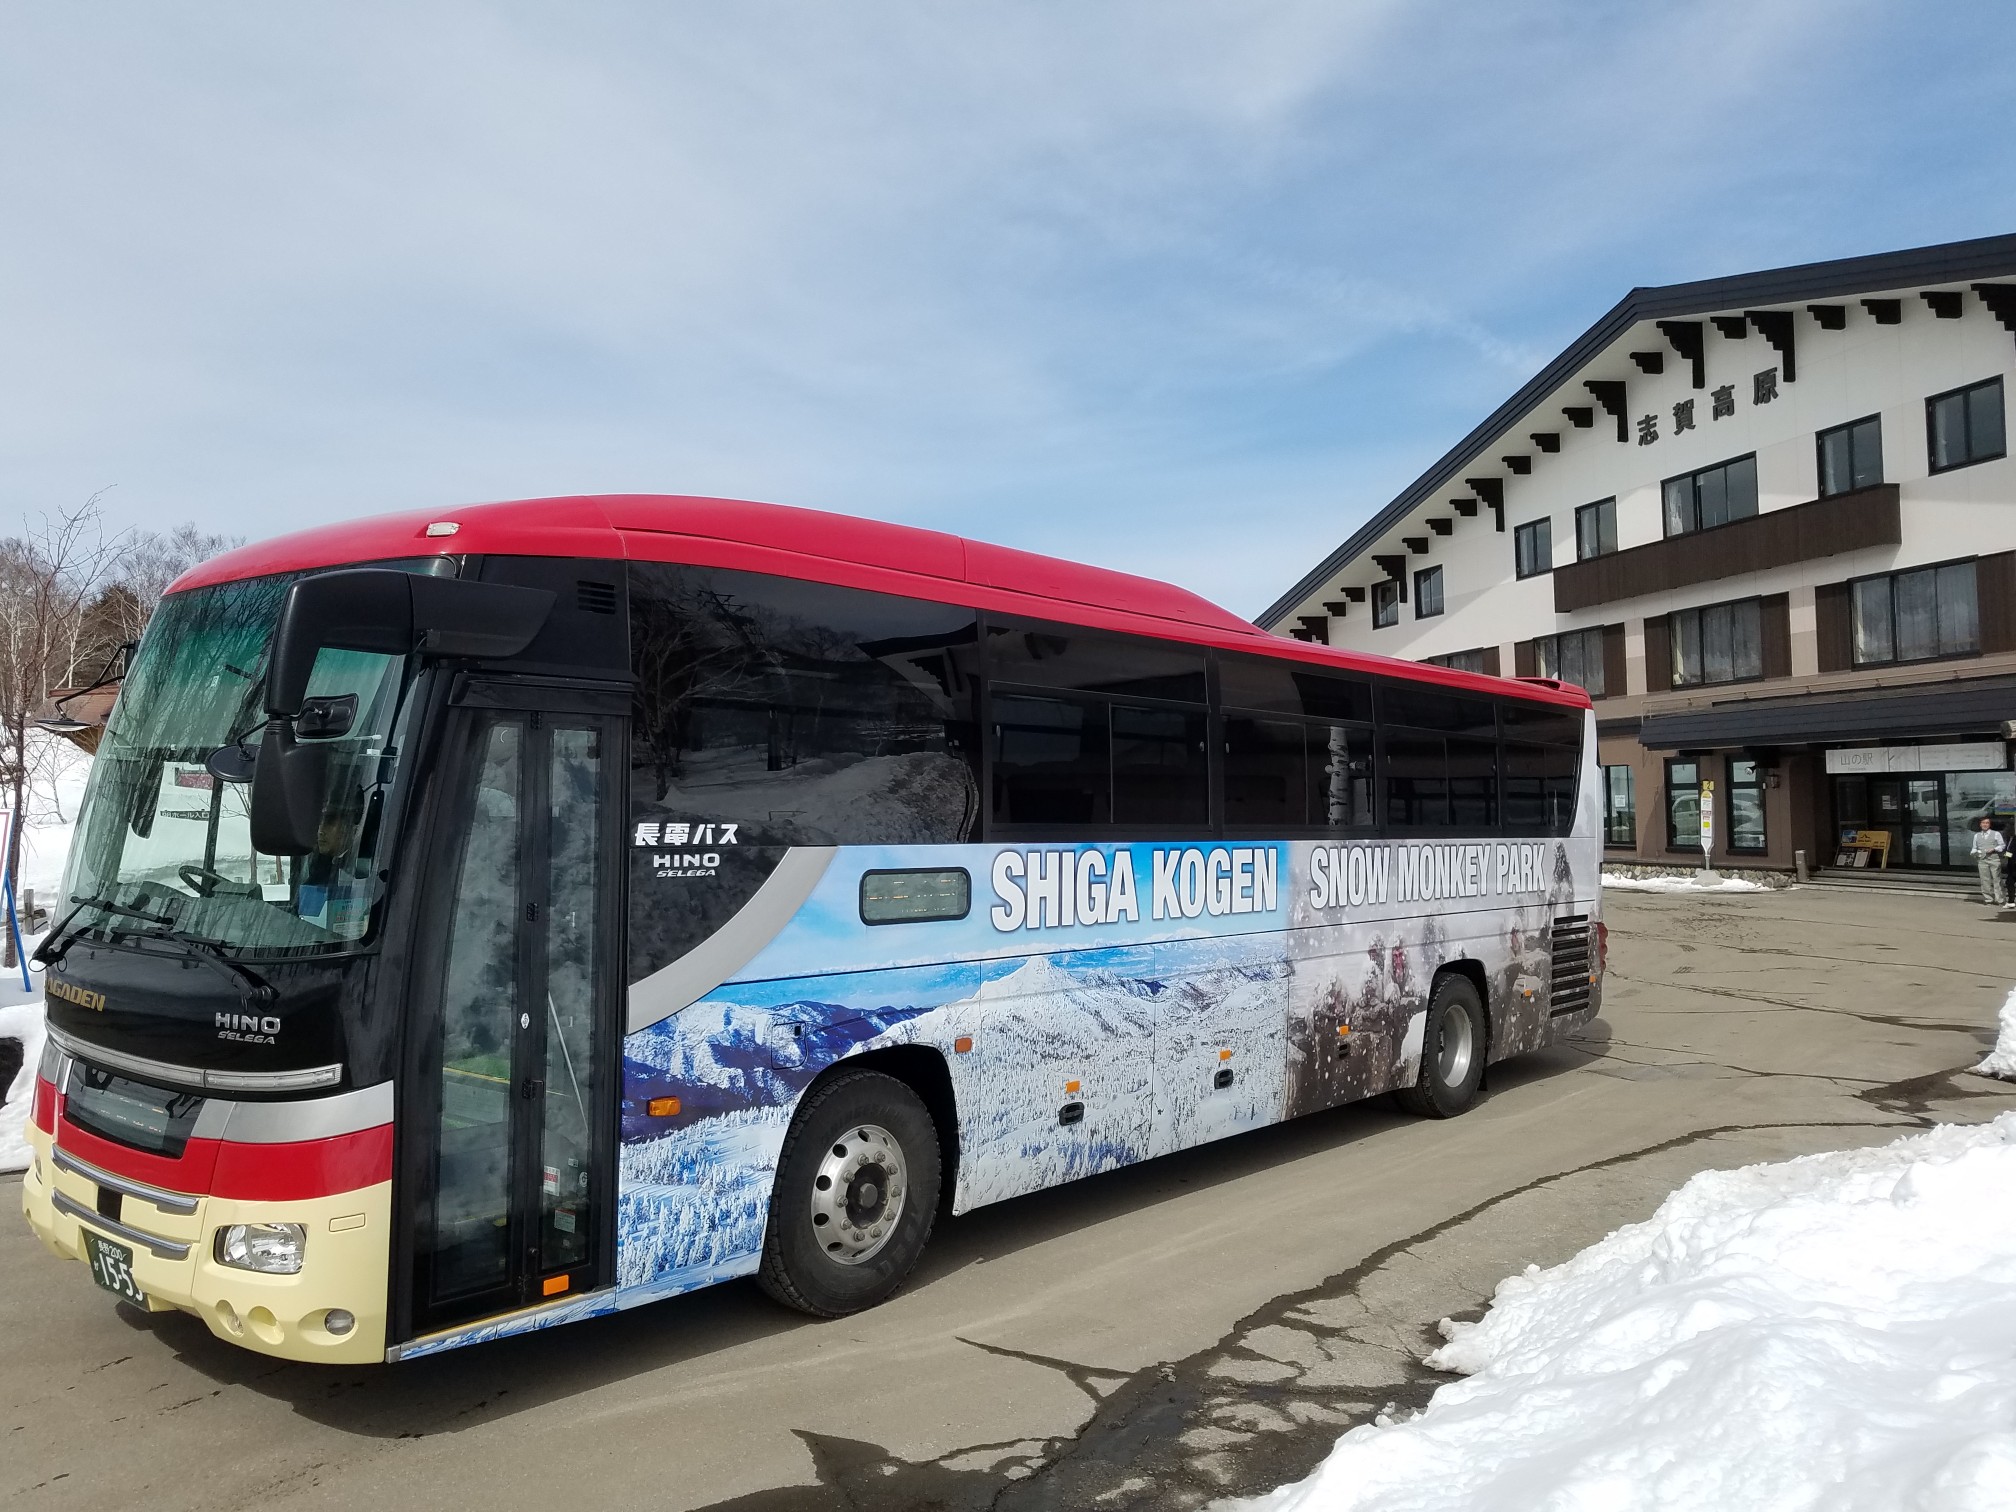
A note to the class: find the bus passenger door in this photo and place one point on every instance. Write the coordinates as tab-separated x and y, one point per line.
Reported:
510	1152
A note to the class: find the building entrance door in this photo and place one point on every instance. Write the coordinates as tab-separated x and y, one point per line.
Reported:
1912	809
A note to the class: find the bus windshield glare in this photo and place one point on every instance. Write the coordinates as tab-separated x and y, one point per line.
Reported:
162	836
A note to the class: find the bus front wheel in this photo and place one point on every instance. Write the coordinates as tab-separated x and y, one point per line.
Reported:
1452	1052
855	1196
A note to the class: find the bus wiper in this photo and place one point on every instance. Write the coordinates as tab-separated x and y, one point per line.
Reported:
251	986
56	944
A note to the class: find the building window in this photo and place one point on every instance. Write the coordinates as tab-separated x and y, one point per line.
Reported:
1385	604
1720	643
1595	529
1533	547
1746	807
1620	807
1851	456
1460	661
1683	805
1713	496
1428	593
1920	615
1573	656
1965	426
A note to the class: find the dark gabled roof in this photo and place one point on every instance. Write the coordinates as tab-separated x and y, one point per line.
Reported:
1950	262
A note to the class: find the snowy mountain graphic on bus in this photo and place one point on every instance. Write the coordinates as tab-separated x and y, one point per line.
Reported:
1042	1034
726	1057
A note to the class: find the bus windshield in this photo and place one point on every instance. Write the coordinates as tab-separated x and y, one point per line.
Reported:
166	845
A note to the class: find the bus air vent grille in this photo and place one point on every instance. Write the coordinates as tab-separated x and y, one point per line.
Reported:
1568	945
594	598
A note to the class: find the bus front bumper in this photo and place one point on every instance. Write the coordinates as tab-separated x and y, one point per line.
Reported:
173	1258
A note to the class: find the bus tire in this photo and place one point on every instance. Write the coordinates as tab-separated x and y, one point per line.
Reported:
1452	1051
861	1145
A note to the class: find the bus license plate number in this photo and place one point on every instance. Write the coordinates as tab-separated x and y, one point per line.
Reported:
112	1268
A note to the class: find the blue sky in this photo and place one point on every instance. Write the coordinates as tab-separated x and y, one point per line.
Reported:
1184	288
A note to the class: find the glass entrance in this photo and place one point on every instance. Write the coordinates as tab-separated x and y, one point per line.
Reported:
1930	818
514	1193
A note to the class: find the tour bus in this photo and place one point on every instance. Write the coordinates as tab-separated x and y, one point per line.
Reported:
483	920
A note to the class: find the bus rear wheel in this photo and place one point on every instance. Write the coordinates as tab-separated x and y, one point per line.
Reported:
1452	1052
855	1197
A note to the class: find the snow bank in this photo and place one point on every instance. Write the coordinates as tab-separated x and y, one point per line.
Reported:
1833	1332
1680	884
2001	1060
22	1021
45	846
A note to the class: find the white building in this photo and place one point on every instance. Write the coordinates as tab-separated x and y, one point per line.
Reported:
1767	521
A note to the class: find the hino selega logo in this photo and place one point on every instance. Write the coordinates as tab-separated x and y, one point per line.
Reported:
70	992
248	1028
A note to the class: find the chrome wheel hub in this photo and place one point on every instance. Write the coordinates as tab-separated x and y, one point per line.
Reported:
1458	1048
858	1194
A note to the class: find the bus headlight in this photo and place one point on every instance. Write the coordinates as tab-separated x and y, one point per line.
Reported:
275	1248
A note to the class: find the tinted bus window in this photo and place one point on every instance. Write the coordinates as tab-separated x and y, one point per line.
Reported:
1061	656
1525	788
1340	762
1052	761
1541	723
1473	784
1267	782
1563	766
1540	786
1282	688
1417	779
1432	709
771	712
1283	775
1161	774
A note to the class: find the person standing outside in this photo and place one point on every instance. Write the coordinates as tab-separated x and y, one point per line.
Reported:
1988	849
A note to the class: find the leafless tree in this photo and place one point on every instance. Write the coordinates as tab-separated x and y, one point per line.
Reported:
49	575
71	595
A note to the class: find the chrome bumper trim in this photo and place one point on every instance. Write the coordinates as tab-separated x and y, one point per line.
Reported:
168	1202
194	1077
166	1249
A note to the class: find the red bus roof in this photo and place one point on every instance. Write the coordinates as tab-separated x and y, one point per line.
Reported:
828	548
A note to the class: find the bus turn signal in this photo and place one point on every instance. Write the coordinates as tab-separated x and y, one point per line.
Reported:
663	1107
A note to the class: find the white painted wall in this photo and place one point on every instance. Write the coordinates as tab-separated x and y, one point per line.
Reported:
1842	375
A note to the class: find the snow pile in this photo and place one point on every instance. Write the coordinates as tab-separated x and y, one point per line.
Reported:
1833	1332
45	846
1623	883
2001	1060
22	1021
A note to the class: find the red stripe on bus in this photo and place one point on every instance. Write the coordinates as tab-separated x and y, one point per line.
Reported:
312	1168
42	1109
247	1172
189	1174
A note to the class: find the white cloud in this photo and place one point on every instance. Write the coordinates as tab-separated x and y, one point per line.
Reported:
1182	286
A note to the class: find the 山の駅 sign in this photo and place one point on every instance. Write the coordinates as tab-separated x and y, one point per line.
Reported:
1965	756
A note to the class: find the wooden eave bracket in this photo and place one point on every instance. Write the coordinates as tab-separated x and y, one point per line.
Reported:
1775	326
1610	393
1687	341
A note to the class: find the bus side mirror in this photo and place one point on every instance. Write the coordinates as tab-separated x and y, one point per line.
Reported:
288	781
362	609
396	614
